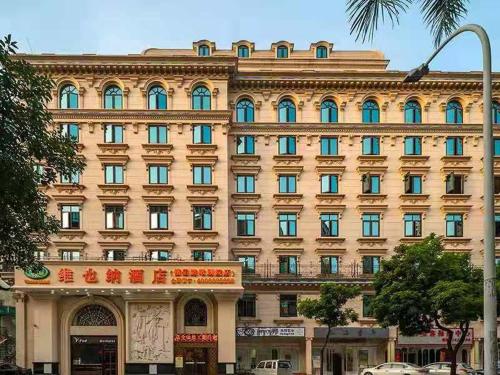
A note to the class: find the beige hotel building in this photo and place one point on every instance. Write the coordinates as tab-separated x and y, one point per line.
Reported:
222	186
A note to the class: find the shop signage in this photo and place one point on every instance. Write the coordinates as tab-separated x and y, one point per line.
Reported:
128	274
436	336
353	333
93	340
195	338
270	331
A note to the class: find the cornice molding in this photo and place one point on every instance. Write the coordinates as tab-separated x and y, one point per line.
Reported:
144	115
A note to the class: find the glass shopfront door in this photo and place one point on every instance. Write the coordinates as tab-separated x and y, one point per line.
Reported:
93	355
196	361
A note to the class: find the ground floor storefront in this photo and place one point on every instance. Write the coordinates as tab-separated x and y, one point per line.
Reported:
90	318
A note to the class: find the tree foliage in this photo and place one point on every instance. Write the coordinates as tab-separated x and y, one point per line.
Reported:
442	17
26	139
422	287
329	309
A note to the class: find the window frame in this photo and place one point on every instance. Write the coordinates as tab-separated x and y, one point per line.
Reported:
71	216
162	217
202	134
245	224
330	223
287	221
205	212
114	217
245	111
287	111
201	98
114	94
68	96
159	132
412	225
159	92
370	112
161	174
329	112
413	112
371	223
288	305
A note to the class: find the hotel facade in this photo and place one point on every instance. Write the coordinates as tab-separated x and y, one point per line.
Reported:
222	186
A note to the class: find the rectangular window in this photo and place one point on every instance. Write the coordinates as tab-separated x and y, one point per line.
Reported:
287	225
371	146
288	305
71	131
329	265
413	146
371	184
329	146
39	171
158	217
287	145
496	146
71	179
39	254
371	225
413	184
329	184
159	255
68	255
371	264
329	225
454	225
158	174
497	184
413	225
202	218
248	263
454	184
113	255
287	184
202	255
367	308
202	134
70	217
245	184
113	174
247	306
288	264
202	175
245	224
113	133
157	134
497	225
245	144
454	146
115	217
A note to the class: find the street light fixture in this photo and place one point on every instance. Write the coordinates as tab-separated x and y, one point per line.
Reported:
490	307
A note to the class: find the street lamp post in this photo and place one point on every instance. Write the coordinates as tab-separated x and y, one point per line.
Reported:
490	308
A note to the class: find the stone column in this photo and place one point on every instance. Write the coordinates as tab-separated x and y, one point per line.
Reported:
391	350
20	329
309	341
45	334
226	332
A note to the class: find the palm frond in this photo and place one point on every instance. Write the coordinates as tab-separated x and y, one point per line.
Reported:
443	16
365	15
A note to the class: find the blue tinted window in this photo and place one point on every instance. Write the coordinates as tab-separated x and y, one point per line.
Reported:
282	52
371	146
413	146
202	134
413	112
454	113
245	144
329	225
371	225
113	98
371	112
68	97
158	174
286	145
454	146
203	50
321	52
495	112
201	98
329	111
243	51
157	98
157	134
245	111
496	146
286	111
113	133
329	146
329	184
287	184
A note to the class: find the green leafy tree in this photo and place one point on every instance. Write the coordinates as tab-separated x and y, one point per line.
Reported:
442	17
329	309
422	287
26	141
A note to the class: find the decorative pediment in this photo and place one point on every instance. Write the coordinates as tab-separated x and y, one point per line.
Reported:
71	234
119	200
113	148
158	235
245	159
114	234
287	159
69	188
246	169
371	160
247	208
69	245
158	199
292	251
330	208
330	169
331	251
157	148
202	188
288	208
206	245
330	159
414	199
463	209
455	199
114	245
202	148
113	189
69	198
331	199
202	159
159	245
247	251
414	160
371	241
287	198
202	235
245	197
202	200
372	251
158	159
288	169
330	241
372	200
246	241
113	159
158	189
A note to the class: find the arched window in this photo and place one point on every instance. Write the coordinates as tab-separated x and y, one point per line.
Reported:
244	111
329	111
321	52
282	52
495	112
371	112
413	112
454	113
286	111
94	315
195	313
203	50
68	97
113	98
157	98
201	98
243	51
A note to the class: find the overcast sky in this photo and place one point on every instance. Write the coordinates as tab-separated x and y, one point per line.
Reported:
126	26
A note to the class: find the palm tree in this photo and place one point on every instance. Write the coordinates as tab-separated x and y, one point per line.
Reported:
442	17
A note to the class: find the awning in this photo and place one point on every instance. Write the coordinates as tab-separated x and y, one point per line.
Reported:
351	333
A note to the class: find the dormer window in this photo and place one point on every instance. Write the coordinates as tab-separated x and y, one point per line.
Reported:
203	50
243	52
321	52
282	52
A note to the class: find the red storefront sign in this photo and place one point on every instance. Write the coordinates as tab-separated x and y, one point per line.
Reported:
197	338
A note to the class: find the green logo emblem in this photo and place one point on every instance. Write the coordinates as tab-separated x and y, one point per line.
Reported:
41	274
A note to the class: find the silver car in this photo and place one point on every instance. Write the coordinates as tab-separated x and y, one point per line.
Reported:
395	368
444	368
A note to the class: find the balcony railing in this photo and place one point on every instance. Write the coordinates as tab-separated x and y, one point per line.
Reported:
310	271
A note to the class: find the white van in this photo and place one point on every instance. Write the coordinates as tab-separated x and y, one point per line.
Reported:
274	367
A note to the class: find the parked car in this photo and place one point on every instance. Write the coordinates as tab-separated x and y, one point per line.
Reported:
444	368
395	368
481	371
273	367
10	369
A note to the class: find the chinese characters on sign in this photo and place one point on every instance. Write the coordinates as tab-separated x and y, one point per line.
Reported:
196	337
435	336
271	331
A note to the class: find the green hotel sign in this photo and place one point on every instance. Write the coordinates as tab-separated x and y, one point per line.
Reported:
41	274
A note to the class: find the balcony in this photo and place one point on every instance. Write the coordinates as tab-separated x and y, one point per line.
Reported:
306	274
